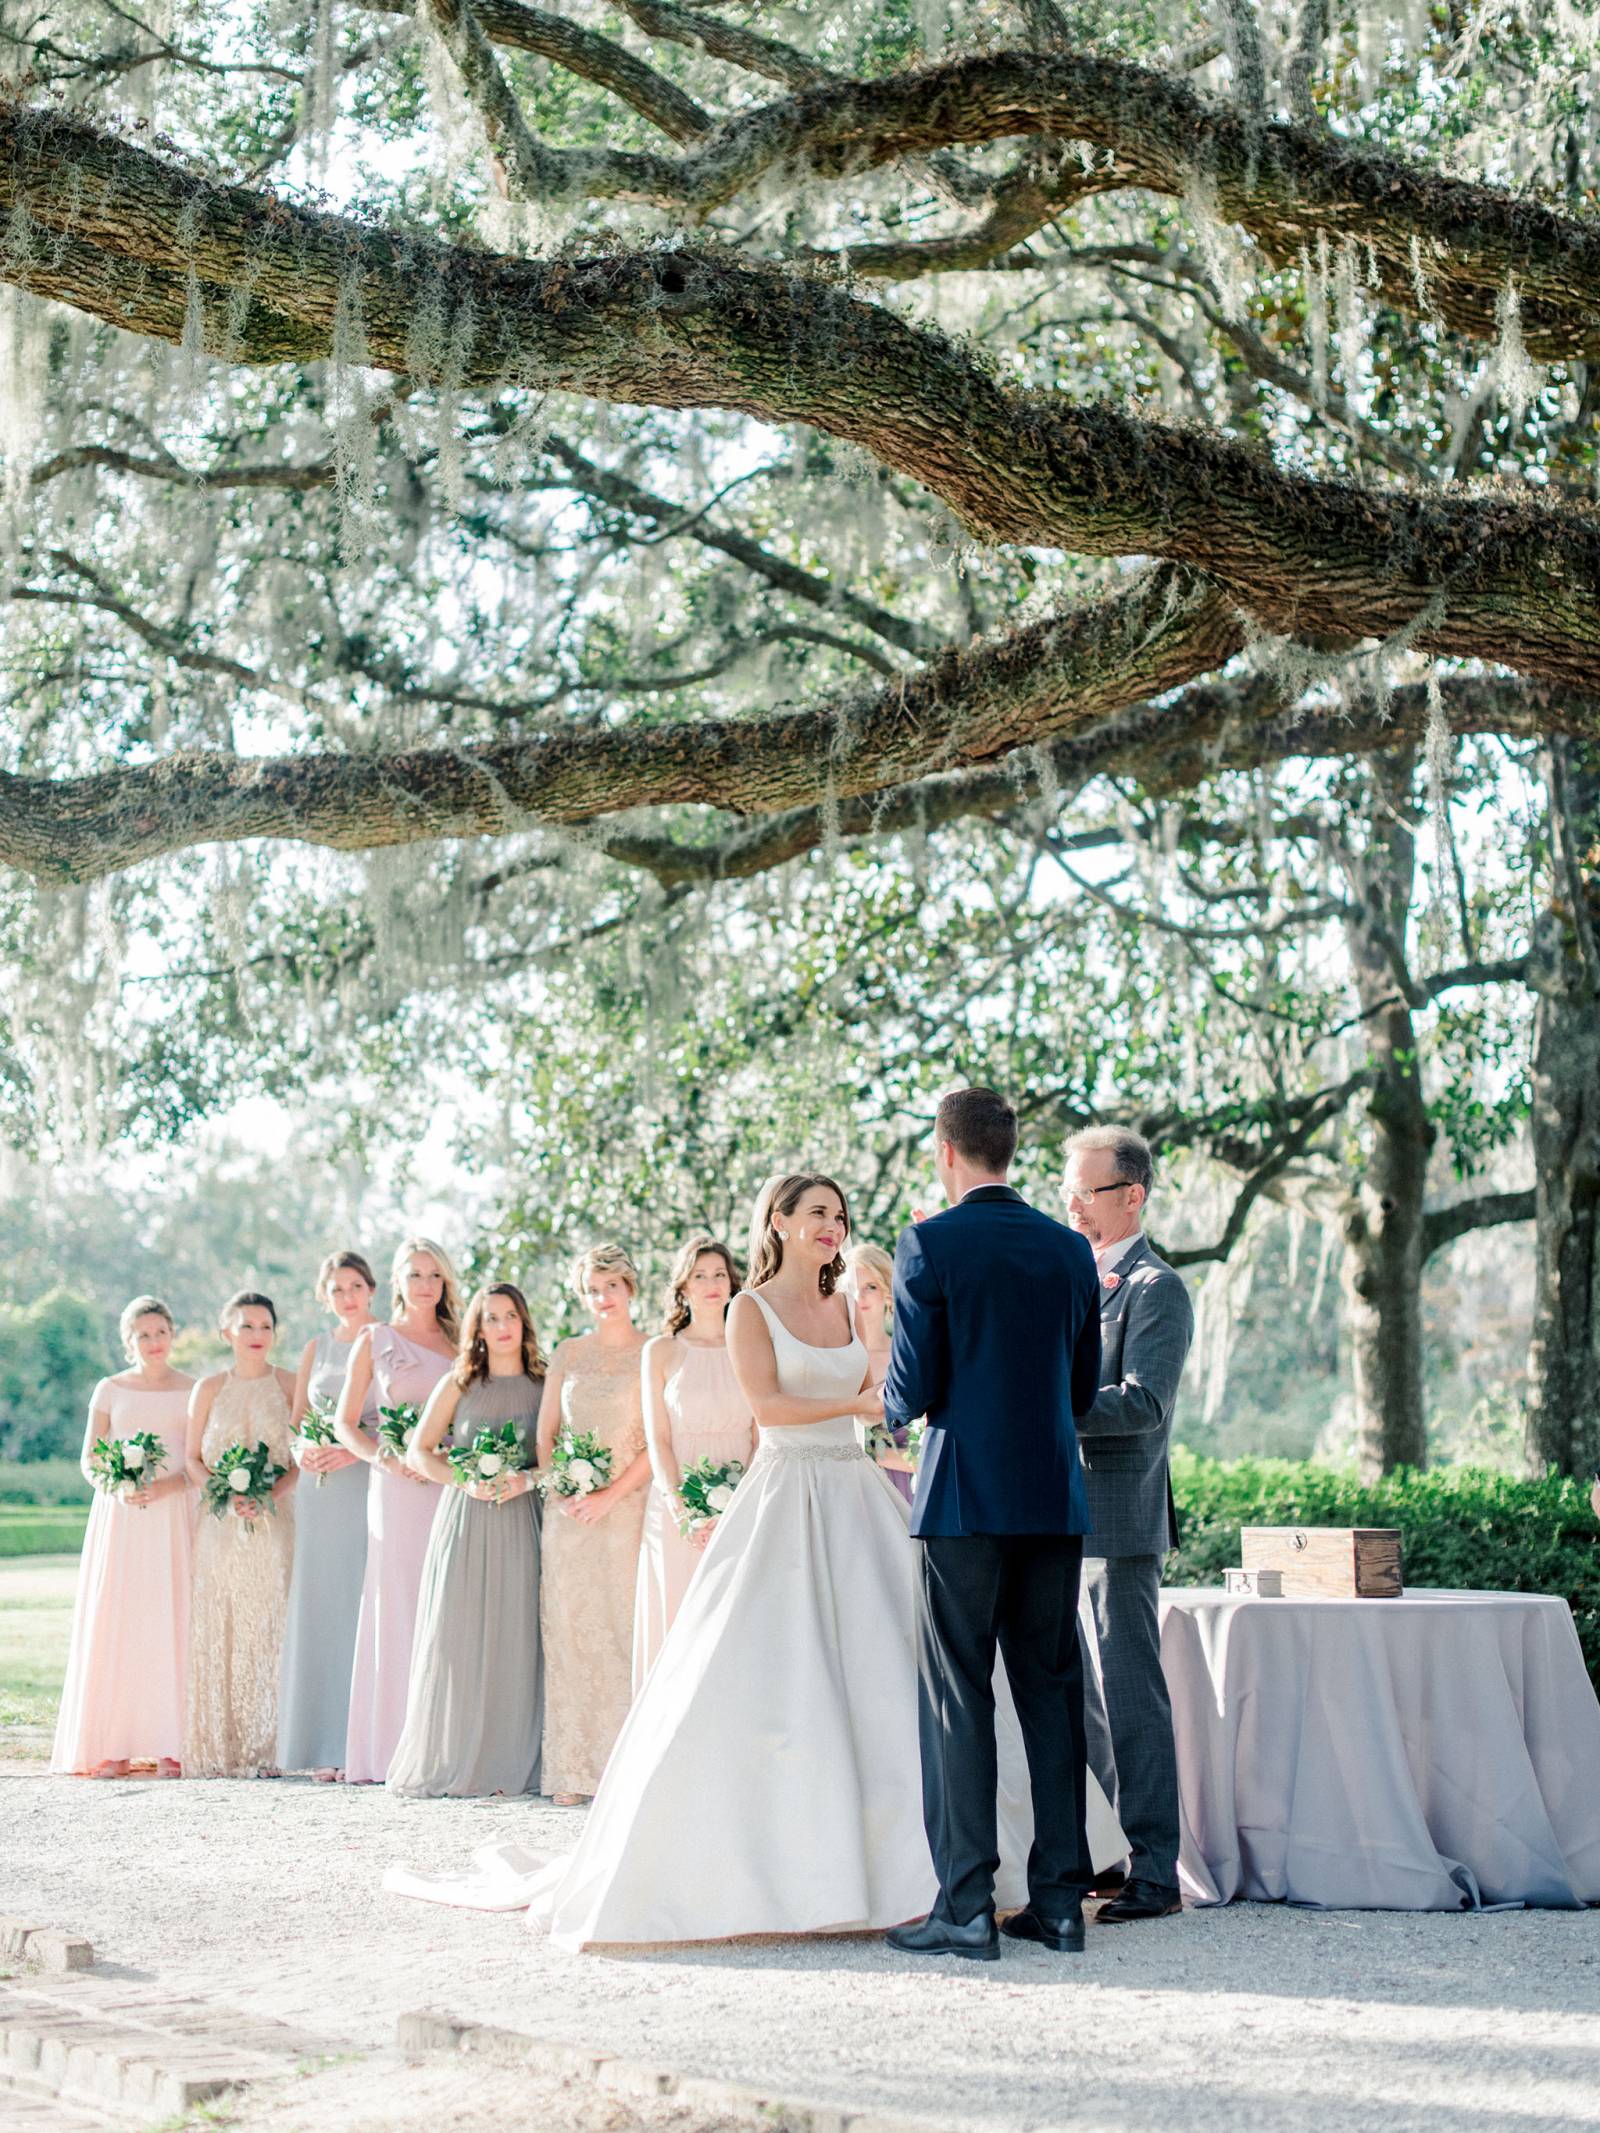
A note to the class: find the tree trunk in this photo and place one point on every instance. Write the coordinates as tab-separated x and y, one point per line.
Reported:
1564	1361
1383	1223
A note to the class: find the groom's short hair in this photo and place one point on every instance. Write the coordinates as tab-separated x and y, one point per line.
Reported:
981	1127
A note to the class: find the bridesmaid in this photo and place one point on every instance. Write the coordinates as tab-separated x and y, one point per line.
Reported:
693	1409
395	1364
330	1542
869	1283
122	1701
475	1710
591	1543
241	1580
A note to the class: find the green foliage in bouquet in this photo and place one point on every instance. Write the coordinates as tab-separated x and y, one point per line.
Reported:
1461	1528
492	1453
706	1491
395	1428
579	1464
245	1472
316	1427
123	1465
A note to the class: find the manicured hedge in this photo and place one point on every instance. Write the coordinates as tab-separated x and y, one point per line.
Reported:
1460	1527
35	1529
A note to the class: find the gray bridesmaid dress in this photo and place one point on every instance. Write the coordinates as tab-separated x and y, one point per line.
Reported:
330	1561
475	1702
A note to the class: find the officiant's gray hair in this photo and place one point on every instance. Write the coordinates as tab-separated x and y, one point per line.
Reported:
1129	1150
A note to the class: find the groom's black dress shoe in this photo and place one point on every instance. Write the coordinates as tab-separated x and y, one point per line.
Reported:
1140	1899
1063	1934
978	1941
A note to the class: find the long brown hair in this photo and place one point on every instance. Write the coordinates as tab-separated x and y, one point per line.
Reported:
472	1362
675	1312
781	1196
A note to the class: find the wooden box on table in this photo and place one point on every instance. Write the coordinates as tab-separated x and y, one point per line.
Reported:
1327	1562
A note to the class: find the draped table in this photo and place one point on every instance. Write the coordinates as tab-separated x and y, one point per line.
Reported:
1434	1752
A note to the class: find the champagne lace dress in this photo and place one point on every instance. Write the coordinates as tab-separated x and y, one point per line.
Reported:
122	1700
589	1574
241	1591
710	1419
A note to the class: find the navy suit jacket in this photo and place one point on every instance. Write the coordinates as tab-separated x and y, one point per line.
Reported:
997	1342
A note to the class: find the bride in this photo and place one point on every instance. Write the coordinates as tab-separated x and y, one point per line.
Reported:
767	1779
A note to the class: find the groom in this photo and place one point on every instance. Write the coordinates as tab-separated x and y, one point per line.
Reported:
997	1342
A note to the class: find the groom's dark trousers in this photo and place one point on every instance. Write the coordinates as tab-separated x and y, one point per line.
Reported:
1019	1590
997	1343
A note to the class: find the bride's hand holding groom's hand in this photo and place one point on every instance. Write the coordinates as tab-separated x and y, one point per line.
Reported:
869	1403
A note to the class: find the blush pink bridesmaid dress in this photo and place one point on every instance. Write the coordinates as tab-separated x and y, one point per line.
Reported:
400	1515
123	1696
710	1419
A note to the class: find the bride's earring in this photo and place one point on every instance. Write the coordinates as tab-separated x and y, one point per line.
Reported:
783	1236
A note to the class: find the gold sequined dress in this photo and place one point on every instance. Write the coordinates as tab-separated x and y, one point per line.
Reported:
589	1572
241	1591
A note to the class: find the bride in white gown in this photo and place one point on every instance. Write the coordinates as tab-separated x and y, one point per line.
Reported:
767	1780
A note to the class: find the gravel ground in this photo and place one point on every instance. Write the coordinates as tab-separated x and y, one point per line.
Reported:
268	1895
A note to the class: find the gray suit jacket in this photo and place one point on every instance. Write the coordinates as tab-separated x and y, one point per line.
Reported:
1146	1325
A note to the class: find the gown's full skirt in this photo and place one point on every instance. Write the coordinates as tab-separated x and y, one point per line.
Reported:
768	1777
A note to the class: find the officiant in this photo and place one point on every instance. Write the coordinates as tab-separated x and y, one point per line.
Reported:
1146	1326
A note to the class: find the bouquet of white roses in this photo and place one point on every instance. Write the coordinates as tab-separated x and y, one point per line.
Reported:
396	1426
579	1464
125	1465
491	1453
705	1492
316	1427
244	1474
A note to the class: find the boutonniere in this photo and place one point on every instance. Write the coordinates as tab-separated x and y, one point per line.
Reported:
1110	1282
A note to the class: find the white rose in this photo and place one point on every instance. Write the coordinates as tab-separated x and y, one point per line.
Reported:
582	1473
125	1489
719	1498
489	1464
133	1456
239	1480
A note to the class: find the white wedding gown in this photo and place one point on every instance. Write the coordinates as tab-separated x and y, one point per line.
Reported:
767	1780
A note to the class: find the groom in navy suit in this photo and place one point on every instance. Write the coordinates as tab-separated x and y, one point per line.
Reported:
997	1343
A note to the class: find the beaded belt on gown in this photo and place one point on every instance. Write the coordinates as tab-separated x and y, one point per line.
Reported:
780	1445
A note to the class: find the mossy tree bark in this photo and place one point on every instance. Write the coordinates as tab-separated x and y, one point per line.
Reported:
1564	1381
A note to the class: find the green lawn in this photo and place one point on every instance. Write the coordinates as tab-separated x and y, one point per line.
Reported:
41	1529
35	1626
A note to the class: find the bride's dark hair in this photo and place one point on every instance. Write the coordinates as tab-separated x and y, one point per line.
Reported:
781	1196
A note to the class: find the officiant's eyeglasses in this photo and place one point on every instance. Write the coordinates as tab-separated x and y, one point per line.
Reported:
1086	1195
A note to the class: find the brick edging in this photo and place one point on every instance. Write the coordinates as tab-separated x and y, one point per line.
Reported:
427	2031
45	1946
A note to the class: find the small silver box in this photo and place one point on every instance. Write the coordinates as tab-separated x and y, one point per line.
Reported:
1254	1584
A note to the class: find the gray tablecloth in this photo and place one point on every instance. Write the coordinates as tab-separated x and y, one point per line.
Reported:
1430	1753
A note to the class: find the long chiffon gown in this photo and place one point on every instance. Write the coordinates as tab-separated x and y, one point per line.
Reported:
475	1711
710	1419
768	1779
330	1561
590	1572
241	1592
400	1515
122	1700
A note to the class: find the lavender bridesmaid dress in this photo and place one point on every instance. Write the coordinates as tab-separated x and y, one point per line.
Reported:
400	1515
